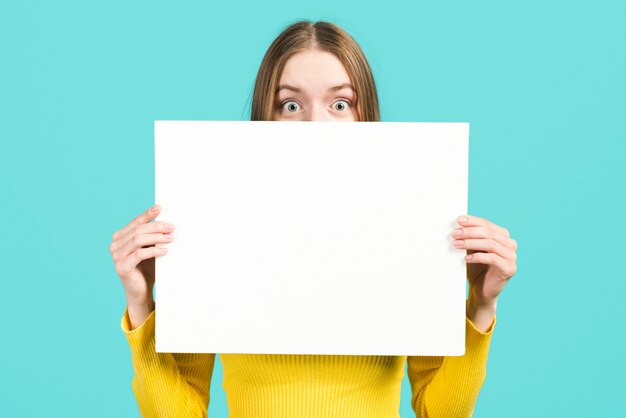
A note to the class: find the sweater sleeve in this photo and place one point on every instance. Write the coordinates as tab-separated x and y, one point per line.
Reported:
449	386
167	384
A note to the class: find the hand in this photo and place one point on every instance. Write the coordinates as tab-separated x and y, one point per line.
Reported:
492	258
133	253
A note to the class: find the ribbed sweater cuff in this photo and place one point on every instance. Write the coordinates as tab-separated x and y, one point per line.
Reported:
477	341
141	337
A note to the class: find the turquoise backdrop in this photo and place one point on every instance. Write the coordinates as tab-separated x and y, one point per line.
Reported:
541	82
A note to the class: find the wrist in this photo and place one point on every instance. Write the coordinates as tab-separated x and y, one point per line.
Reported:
479	302
140	303
481	314
139	298
138	312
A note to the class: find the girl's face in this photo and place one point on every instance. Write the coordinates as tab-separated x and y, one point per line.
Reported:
314	86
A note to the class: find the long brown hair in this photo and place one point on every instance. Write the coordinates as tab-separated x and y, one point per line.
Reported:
327	37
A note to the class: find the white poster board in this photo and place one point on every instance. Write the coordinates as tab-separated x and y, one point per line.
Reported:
311	237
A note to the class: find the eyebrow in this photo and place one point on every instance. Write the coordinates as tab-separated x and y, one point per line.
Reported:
296	89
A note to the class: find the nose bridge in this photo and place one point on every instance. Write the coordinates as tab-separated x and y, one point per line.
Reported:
317	112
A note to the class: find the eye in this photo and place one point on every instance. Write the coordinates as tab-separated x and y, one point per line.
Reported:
290	106
341	105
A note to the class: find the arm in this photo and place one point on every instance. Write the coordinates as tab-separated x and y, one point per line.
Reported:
449	386
167	384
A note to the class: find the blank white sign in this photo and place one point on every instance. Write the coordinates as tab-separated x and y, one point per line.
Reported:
311	237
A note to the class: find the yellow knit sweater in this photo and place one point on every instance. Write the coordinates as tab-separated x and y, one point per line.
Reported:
303	386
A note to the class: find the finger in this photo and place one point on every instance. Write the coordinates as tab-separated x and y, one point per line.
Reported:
142	239
483	232
507	268
147	228
485	244
125	266
142	218
470	220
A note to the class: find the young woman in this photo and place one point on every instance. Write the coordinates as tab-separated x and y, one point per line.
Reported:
311	72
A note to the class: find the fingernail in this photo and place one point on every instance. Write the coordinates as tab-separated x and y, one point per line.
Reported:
468	257
462	219
169	226
155	208
457	231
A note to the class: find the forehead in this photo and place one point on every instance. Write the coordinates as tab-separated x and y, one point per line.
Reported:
314	69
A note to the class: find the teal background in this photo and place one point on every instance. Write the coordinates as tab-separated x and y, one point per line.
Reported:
542	84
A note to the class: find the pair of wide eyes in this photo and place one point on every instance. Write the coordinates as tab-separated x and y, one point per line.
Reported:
290	106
